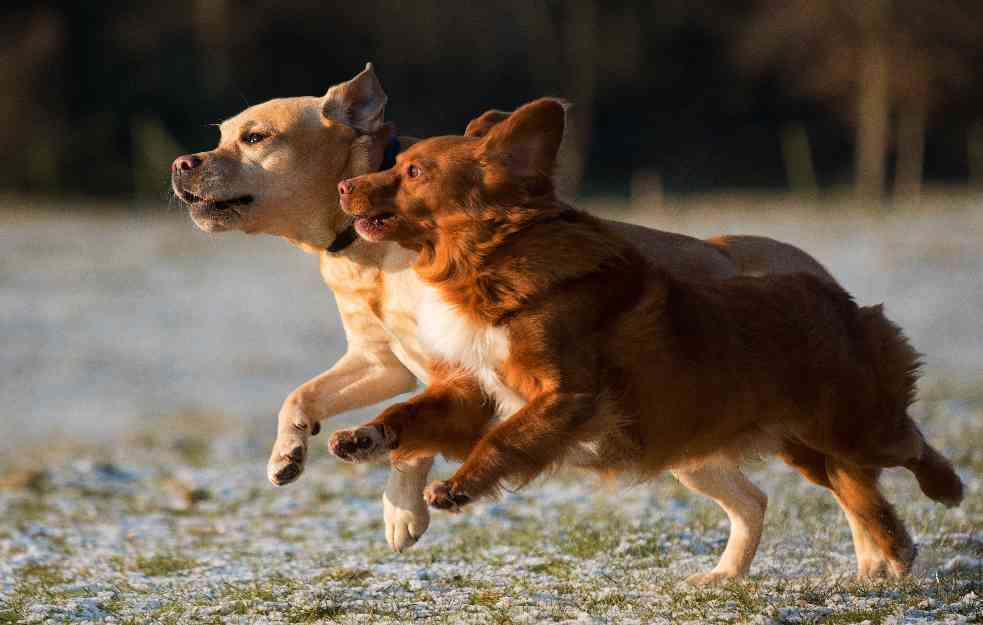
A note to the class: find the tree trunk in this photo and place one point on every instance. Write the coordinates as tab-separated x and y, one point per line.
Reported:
911	153
212	21
580	39
872	123
797	154
873	102
974	154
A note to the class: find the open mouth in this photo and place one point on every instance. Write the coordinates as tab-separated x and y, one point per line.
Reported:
214	215
374	226
191	198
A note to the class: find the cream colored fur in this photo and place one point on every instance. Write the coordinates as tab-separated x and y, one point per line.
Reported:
445	334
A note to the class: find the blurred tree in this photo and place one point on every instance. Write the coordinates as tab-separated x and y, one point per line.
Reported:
871	60
95	96
31	99
580	36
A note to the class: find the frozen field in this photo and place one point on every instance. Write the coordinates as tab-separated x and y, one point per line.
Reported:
143	362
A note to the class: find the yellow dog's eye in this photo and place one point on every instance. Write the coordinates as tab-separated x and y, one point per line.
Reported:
412	171
253	138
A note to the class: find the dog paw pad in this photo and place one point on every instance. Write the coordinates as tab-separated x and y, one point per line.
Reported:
444	496
286	467
362	444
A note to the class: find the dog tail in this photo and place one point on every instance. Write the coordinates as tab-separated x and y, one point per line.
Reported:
895	362
896	367
936	477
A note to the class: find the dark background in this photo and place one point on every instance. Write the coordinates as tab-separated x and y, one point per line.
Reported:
97	97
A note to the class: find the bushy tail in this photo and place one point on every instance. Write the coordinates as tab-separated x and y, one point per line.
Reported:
896	365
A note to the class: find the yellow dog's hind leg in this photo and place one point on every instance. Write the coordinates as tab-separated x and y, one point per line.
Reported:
745	506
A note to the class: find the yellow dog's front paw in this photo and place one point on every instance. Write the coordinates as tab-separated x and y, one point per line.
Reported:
287	460
290	449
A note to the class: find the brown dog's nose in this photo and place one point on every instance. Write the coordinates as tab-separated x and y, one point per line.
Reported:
345	187
186	162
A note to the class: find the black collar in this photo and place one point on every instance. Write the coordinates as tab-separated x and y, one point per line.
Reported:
348	236
345	238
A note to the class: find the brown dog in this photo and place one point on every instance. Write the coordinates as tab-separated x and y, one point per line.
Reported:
596	356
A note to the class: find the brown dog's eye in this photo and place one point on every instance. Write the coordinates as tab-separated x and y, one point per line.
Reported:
253	138
412	171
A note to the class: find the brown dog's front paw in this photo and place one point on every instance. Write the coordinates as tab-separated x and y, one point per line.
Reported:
446	496
363	443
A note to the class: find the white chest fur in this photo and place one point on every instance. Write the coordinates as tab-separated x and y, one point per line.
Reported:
455	338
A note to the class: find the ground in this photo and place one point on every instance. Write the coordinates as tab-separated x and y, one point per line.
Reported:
143	364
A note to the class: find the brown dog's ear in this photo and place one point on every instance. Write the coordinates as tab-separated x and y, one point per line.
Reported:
527	141
480	125
359	102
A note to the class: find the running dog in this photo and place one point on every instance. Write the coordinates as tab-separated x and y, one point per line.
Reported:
592	354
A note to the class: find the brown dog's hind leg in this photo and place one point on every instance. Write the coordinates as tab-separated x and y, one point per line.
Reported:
871	561
857	491
745	506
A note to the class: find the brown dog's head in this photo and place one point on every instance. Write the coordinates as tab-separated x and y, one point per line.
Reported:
446	182
277	164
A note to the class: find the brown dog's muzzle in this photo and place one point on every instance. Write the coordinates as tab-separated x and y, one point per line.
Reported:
368	199
368	194
346	188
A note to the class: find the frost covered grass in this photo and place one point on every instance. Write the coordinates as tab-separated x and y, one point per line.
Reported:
169	519
131	533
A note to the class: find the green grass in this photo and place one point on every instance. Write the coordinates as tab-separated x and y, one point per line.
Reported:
299	556
556	568
485	598
313	613
586	541
163	564
875	616
346	575
30	508
45	575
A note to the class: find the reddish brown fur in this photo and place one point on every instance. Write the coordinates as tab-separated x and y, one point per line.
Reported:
479	126
654	371
448	418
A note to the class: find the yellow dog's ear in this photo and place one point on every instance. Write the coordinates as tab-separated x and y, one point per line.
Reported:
367	152
526	142
480	125
359	102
